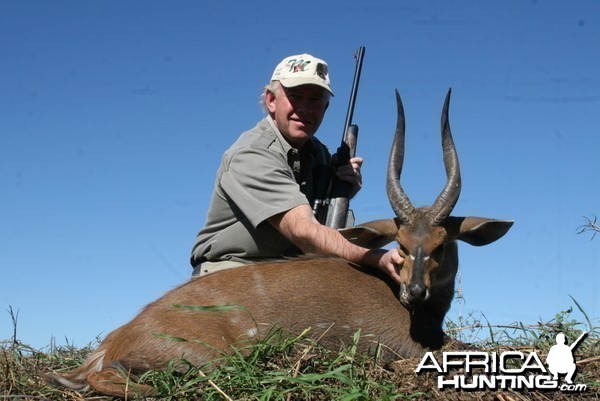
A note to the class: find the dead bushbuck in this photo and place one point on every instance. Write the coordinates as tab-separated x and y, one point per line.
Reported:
331	296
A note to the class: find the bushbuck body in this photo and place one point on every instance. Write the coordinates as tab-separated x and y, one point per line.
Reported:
331	296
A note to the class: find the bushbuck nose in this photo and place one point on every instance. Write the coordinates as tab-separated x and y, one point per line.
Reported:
418	291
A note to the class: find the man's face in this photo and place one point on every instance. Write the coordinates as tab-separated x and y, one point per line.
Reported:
298	111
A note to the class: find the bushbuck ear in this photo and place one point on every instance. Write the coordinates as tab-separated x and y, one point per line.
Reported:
373	234
477	231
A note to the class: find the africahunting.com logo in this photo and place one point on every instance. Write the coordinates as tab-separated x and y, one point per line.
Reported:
513	370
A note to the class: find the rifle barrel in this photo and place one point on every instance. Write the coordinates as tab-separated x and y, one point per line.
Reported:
360	54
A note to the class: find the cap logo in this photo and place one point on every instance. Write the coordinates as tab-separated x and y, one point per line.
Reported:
298	65
321	70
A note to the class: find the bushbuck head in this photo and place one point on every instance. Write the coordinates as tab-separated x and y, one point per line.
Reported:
425	235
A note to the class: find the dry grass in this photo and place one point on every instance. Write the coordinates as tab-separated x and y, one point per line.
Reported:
295	368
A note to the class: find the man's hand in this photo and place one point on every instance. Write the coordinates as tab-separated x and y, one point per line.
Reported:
391	262
351	173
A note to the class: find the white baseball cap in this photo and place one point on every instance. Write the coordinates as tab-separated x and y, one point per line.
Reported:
302	69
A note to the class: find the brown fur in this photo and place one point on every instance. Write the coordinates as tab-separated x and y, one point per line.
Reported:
320	293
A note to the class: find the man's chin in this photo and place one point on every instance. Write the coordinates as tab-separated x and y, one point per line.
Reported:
299	138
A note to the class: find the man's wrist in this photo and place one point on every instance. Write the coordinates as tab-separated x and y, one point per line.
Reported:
373	257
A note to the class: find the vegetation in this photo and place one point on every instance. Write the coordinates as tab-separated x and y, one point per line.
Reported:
296	368
590	225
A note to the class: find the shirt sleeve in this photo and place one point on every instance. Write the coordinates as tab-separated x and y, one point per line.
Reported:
261	184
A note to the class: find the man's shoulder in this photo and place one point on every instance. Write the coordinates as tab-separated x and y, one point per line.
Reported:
260	136
257	143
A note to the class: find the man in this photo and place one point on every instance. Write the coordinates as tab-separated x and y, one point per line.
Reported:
560	357
261	206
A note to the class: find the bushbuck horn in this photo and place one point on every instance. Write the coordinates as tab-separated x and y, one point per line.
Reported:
398	199
445	202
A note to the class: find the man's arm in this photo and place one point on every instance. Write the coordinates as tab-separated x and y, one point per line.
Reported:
300	226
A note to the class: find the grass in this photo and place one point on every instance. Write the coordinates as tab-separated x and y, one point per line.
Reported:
284	367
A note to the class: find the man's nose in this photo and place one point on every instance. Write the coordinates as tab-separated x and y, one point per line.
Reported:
302	105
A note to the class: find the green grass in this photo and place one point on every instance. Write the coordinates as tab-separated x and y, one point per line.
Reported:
279	368
284	367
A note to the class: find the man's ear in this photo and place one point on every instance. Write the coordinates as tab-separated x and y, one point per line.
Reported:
270	101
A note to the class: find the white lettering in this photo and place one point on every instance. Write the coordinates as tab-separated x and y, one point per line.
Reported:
487	382
477	359
507	355
434	366
449	361
545	382
455	381
516	369
536	364
574	387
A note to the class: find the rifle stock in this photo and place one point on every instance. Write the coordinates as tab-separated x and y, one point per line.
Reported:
339	196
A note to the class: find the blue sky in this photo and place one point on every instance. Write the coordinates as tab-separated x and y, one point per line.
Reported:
114	116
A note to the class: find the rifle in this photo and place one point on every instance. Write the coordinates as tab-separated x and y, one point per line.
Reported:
333	211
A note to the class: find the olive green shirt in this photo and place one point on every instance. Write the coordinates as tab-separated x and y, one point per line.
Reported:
260	176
